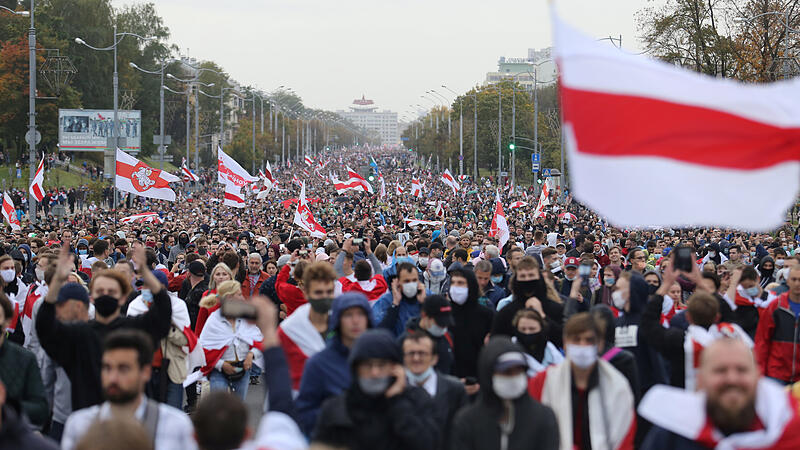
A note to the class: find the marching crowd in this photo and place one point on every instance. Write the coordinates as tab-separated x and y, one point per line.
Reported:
415	321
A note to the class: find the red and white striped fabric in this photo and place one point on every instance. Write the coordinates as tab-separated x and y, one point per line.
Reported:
714	139
354	177
233	196
544	200
416	222
518	204
399	190
187	174
463	178
383	188
352	184
304	218
309	160
217	336
268	174
150	217
229	171
180	318
567	217
9	212
36	291
37	186
499	228
300	340
416	187
448	179
296	180
140	179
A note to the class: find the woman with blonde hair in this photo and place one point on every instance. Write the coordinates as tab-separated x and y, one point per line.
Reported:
220	273
210	302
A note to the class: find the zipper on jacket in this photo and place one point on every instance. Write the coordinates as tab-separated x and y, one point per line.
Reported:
794	349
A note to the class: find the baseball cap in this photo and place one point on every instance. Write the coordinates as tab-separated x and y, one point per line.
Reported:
438	308
572	262
72	291
561	244
425	251
509	360
197	268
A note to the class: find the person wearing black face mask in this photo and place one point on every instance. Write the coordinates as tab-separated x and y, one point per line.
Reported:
180	247
77	347
526	282
302	334
530	331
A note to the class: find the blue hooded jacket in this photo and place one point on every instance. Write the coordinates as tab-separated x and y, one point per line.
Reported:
327	373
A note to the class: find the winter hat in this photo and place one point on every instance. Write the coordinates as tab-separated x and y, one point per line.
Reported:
72	291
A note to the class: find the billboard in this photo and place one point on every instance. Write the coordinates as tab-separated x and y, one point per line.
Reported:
87	130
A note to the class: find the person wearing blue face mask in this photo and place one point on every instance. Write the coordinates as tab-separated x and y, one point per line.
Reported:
746	292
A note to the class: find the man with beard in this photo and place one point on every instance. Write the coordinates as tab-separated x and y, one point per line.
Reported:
736	409
126	370
77	346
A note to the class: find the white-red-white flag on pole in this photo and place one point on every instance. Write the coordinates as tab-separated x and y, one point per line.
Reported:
627	117
416	188
233	196
309	160
37	186
499	228
439	209
518	204
268	174
229	171
304	218
544	200
140	179
448	179
10	213
187	174
383	188
356	178
399	190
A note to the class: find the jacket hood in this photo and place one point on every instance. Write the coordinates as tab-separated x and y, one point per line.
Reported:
472	284
487	359
608	316
640	291
377	343
345	301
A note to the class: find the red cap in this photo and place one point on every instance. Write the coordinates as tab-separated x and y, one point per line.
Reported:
572	262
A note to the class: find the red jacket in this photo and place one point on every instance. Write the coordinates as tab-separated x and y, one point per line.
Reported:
175	281
776	343
246	288
289	294
379	288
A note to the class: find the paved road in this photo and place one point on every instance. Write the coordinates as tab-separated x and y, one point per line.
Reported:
255	404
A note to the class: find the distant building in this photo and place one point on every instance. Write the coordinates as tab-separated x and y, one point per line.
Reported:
363	113
522	69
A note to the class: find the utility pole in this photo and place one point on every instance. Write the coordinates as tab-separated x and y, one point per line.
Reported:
32	111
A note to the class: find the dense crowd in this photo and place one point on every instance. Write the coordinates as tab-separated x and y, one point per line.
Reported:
570	334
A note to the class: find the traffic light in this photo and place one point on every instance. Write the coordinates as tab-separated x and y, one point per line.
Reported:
371	178
511	146
538	181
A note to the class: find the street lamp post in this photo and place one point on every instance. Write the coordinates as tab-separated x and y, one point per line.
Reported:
460	131
118	37
31	138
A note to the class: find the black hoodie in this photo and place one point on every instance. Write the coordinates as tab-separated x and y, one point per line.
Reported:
476	427
473	323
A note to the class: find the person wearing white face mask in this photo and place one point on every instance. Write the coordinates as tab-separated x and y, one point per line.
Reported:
400	303
473	322
584	381
16	291
448	394
504	416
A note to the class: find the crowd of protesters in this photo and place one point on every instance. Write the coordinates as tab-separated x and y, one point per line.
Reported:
572	334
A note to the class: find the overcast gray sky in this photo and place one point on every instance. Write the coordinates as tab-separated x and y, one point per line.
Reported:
332	51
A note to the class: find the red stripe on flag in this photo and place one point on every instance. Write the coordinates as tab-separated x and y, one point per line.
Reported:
37	192
126	170
624	125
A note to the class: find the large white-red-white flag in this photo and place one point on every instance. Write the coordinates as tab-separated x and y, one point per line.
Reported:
233	196
544	200
627	117
355	182
304	218
448	179
37	185
148	217
229	171
417	222
10	213
140	179
499	228
416	187
354	177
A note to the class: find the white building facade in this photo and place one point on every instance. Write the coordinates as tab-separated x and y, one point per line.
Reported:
363	113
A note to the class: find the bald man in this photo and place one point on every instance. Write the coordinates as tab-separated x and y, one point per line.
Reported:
735	407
